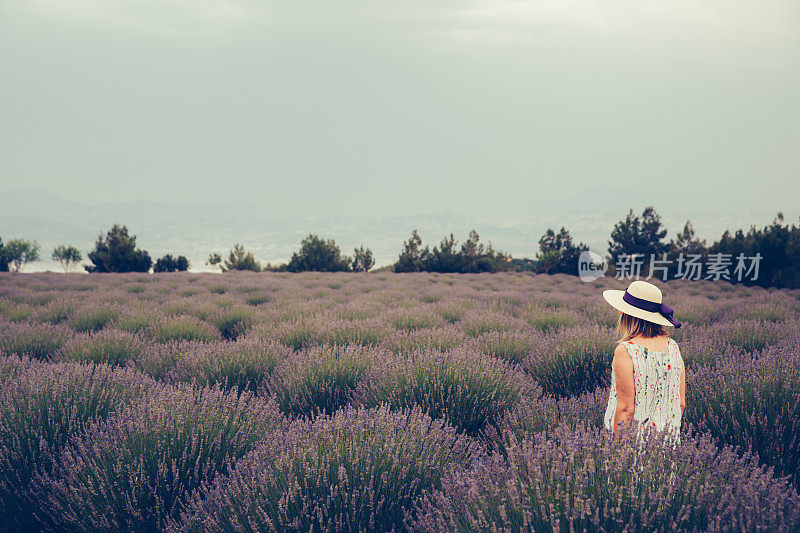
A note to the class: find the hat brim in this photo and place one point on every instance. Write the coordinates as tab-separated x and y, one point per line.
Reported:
614	298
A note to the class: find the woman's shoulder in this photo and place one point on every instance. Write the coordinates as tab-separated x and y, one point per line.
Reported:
622	356
626	349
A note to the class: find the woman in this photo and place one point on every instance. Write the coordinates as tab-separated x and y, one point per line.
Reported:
648	379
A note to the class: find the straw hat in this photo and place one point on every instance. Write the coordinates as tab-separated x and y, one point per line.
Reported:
642	300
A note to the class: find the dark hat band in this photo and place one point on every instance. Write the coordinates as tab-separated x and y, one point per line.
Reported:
652	307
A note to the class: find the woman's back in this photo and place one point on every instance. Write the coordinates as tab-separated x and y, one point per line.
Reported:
657	384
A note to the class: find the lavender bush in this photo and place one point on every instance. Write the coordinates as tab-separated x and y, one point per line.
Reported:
440	339
185	328
588	480
552	319
545	413
41	407
55	313
470	390
135	471
93	318
359	470
246	365
233	322
753	403
513	346
331	332
141	321
508	360
572	361
319	380
39	341
113	347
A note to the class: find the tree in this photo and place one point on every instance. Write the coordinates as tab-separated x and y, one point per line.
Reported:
362	259
778	246
652	233
686	242
642	237
20	252
239	259
116	252
3	258
687	245
444	258
470	257
67	256
317	254
214	259
557	254
410	259
171	264
472	251
624	237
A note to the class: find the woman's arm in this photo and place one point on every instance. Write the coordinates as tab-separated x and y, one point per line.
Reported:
623	374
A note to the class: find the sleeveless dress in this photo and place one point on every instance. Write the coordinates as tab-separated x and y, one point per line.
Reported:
657	387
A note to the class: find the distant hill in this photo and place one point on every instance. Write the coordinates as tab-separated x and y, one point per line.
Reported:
195	230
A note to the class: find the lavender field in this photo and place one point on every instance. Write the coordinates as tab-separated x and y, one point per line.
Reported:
380	402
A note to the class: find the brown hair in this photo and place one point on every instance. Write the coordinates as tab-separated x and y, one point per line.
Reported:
629	327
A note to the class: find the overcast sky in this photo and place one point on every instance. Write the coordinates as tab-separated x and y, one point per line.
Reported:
396	107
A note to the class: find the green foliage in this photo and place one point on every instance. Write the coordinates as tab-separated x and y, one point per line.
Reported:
55	313
687	243
3	258
414	319
135	472
557	254
239	259
512	346
574	361
410	259
317	254
40	410
246	364
185	328
354	471
116	252
779	247
470	390
362	259
67	256
20	252
214	259
257	299
232	323
114	348
93	319
320	380
754	404
470	257
36	341
478	323
171	264
552	319
443	258
640	236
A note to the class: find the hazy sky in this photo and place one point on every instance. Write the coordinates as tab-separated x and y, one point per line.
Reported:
386	106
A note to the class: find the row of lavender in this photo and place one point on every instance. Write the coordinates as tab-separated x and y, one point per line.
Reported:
341	402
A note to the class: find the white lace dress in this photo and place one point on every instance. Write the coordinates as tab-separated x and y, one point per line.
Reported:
657	387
